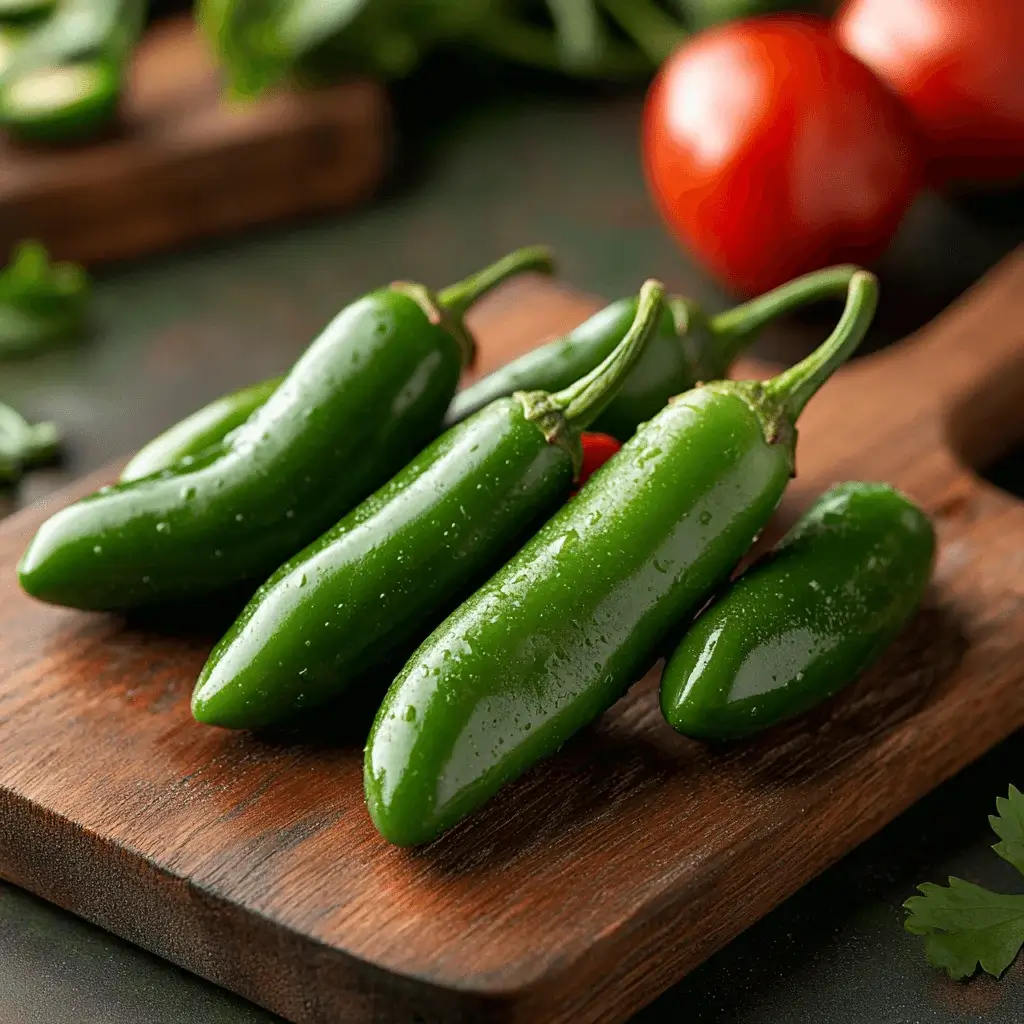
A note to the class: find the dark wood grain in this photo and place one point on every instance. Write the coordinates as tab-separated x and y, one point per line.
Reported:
184	163
604	874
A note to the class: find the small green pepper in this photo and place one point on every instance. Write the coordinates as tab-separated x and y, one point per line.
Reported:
559	633
365	397
193	435
688	348
381	578
805	621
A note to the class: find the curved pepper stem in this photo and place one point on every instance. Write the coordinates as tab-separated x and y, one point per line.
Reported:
793	388
584	400
734	329
456	299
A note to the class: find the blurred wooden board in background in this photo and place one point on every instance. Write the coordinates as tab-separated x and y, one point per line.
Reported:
185	163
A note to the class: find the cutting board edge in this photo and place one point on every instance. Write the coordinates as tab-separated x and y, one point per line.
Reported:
620	945
144	882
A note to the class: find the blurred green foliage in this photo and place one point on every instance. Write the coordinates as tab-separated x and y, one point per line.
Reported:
41	302
262	42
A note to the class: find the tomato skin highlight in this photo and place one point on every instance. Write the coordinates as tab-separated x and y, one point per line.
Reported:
771	152
958	65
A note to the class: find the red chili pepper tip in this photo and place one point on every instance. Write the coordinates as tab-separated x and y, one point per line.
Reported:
597	450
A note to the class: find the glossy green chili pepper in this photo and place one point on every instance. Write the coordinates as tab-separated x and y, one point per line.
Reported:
666	368
196	433
688	348
802	623
365	397
381	578
559	633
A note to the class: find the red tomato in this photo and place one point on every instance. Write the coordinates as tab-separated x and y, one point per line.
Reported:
597	450
770	151
959	66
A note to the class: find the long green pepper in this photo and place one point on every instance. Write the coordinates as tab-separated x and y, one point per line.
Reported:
379	580
557	635
688	348
365	397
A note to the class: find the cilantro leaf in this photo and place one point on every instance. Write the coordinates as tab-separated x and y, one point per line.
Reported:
1008	824
964	925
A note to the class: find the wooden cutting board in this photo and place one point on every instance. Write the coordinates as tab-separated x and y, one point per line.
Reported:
607	872
186	164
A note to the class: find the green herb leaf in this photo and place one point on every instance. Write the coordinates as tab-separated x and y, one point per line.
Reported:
964	925
1008	824
40	302
307	23
23	444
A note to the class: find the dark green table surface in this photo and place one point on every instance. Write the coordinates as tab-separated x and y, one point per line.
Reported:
559	167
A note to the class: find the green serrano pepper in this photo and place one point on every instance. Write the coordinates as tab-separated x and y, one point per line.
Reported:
399	562
365	397
557	635
805	621
689	347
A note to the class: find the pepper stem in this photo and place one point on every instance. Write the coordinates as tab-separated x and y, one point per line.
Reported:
793	388
456	299
734	329
584	400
